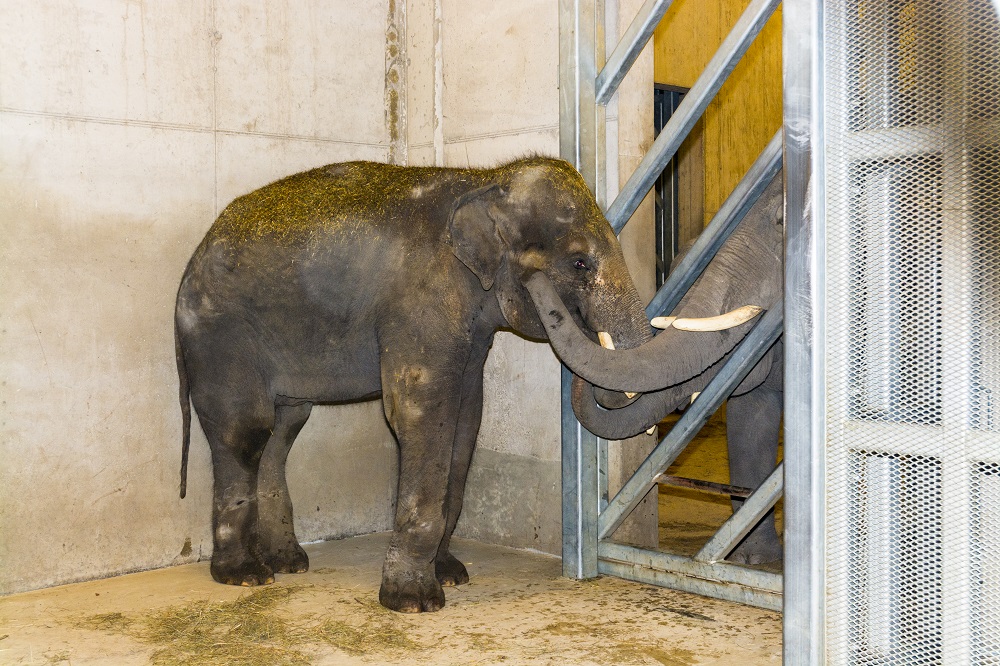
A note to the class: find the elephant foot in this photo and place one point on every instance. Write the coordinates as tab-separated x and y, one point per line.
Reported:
450	572
241	571
757	551
288	559
417	595
409	587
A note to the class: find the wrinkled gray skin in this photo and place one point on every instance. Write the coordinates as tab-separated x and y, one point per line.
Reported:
361	280
746	271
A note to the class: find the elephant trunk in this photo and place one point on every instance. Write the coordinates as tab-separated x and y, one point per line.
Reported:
651	366
649	408
621	323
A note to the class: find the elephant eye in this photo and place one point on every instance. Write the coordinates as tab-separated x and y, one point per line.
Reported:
580	265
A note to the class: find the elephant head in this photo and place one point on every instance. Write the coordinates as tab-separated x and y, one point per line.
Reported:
537	216
681	360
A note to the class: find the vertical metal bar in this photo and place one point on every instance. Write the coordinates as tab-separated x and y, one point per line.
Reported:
743	359
805	399
578	145
732	212
695	101
741	522
629	48
580	492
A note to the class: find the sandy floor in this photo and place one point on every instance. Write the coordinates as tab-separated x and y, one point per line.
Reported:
517	609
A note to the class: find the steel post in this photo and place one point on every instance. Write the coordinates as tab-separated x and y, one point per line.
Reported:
804	439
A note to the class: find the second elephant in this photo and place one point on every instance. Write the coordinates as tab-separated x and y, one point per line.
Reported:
748	270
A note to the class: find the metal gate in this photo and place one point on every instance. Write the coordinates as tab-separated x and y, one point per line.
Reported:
892	439
589	517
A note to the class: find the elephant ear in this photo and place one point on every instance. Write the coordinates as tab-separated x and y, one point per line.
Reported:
473	233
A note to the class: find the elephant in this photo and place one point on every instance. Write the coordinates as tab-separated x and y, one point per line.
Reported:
361	280
677	363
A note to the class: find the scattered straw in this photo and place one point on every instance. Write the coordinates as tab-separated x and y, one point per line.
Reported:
252	631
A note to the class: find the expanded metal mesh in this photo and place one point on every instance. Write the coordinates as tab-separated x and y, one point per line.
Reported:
912	145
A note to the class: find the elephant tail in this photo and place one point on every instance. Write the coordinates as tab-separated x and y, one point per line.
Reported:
185	398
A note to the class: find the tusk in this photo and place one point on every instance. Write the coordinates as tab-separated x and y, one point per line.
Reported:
720	323
651	430
694	396
608	343
661	322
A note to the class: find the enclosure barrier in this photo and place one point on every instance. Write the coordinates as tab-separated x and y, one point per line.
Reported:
589	519
892	115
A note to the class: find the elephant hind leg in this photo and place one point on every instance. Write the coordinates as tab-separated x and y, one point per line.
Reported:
279	546
237	436
449	569
753	423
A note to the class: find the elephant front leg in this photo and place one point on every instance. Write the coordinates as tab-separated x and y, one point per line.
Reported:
753	423
422	410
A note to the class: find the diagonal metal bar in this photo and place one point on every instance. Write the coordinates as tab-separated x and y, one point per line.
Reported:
746	356
735	208
695	101
629	48
741	522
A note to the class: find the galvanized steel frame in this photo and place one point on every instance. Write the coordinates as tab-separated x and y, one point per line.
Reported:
589	519
805	260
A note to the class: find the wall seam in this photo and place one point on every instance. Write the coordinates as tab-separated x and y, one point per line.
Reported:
216	37
396	81
438	85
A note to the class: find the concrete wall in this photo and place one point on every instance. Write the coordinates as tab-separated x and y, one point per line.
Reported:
124	128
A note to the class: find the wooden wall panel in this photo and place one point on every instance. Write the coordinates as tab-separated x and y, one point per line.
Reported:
747	111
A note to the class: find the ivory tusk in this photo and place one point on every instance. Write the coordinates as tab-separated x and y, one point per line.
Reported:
694	396
608	343
651	430
721	322
661	322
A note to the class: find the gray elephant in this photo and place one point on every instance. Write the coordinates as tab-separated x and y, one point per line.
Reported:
357	280
678	363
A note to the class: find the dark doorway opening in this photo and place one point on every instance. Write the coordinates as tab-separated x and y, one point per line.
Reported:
666	99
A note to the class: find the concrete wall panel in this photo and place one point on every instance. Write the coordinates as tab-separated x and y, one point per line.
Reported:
114	59
317	71
501	68
95	241
111	171
342	472
501	102
503	147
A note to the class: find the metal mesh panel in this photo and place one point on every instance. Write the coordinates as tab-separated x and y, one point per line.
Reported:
912	141
985	580
895	558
